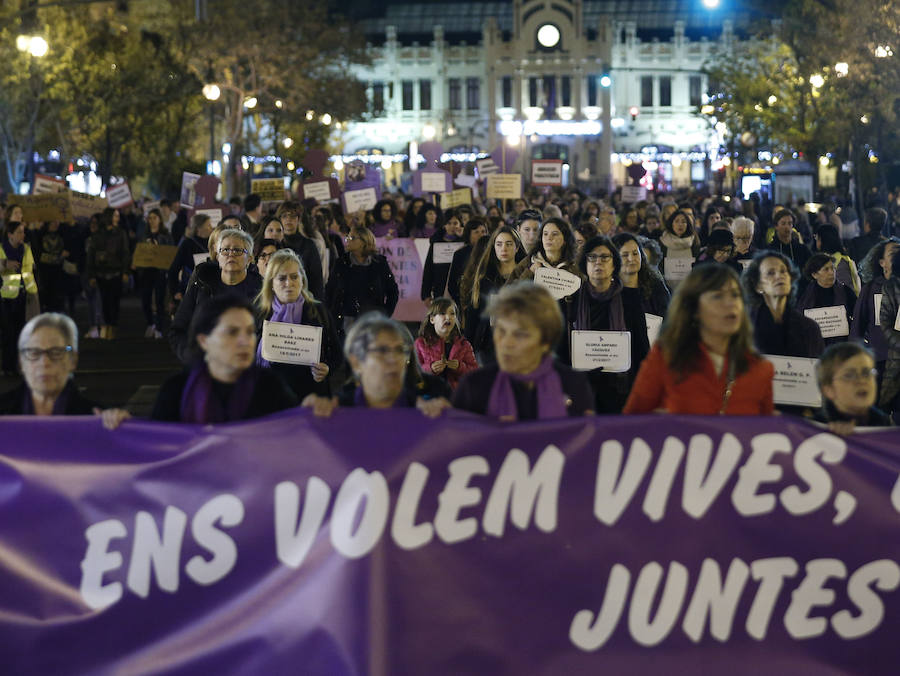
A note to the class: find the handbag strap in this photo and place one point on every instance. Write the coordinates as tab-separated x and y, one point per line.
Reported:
729	387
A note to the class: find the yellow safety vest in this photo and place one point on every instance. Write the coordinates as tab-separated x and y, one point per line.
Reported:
13	281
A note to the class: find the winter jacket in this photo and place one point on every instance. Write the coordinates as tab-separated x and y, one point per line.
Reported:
460	349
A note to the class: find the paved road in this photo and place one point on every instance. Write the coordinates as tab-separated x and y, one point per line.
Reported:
126	371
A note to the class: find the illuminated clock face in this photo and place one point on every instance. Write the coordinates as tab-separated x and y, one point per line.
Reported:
548	35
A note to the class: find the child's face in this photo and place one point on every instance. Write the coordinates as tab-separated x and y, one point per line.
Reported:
853	388
443	323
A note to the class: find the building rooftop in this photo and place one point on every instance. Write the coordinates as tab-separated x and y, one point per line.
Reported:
464	20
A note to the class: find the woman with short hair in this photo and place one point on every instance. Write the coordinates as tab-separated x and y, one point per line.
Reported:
527	382
193	248
824	290
229	273
285	298
704	361
874	271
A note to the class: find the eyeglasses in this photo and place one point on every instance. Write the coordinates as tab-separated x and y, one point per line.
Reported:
350	238
853	376
55	353
385	351
233	253
264	256
601	258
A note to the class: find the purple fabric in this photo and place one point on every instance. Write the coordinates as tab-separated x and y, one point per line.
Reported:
385	229
613	295
199	403
464	593
289	313
551	400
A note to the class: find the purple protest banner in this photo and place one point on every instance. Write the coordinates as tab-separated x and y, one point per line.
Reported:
382	542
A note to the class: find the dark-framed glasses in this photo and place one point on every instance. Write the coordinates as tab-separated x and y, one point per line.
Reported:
54	353
852	376
599	258
233	252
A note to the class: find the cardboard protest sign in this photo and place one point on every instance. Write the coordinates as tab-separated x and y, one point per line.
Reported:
44	184
546	172
51	206
149	255
456	198
119	195
269	189
504	186
430	179
317	184
83	205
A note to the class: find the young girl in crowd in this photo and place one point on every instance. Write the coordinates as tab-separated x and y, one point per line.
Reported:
441	347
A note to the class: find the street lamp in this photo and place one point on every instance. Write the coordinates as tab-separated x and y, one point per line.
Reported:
250	102
428	132
326	119
817	81
841	68
211	92
33	44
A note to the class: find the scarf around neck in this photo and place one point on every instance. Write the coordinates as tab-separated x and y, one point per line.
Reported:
613	296
551	400
200	404
674	243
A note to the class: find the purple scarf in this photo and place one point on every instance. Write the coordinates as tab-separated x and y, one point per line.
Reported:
13	253
199	403
613	295
551	400
59	406
290	313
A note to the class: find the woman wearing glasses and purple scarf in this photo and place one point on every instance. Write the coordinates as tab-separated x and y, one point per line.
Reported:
229	273
222	384
48	354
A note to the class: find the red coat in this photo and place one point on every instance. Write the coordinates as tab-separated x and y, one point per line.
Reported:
461	350
702	390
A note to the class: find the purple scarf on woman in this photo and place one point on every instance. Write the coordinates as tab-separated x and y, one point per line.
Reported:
551	400
59	406
199	403
613	295
290	313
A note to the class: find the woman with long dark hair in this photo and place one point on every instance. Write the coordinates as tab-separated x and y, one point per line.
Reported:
108	264
874	271
704	361
435	274
637	273
474	229
151	282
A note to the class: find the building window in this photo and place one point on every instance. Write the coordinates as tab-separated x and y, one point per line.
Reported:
407	86
377	97
592	90
566	99
646	91
696	90
665	91
424	94
532	91
506	92
454	100
473	87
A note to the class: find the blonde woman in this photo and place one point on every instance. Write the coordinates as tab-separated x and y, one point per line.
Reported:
285	298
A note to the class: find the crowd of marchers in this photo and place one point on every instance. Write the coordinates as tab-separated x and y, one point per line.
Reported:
702	288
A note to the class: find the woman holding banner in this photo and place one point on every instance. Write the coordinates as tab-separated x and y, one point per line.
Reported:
704	362
362	281
604	304
526	383
222	383
285	299
778	327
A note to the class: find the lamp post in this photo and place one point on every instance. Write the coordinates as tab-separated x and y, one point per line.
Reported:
212	93
37	47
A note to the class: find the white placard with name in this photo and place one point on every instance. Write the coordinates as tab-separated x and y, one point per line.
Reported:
443	251
677	268
434	181
609	350
360	200
560	283
200	258
291	343
633	193
654	323
795	381
215	215
832	320
878	298
317	190
119	195
486	166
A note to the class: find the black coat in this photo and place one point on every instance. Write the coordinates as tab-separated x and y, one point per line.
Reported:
356	289
12	402
183	265
796	336
308	252
434	275
457	267
205	284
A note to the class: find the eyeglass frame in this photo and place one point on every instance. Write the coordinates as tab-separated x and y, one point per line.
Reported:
36	353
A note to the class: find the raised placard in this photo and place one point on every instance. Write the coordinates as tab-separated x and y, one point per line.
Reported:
878	297
456	198
654	323
435	181
560	283
795	381
317	190
677	268
150	255
546	172
633	193
360	200
84	206
215	215
486	166
44	184
43	207
832	320
119	195
607	350
188	195
442	252
269	189
504	186
291	343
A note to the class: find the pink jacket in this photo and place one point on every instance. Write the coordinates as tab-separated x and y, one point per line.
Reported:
461	351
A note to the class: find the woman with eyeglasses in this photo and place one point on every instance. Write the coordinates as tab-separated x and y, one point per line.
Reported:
778	326
48	354
361	281
285	298
385	372
221	382
848	382
604	304
230	273
264	250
